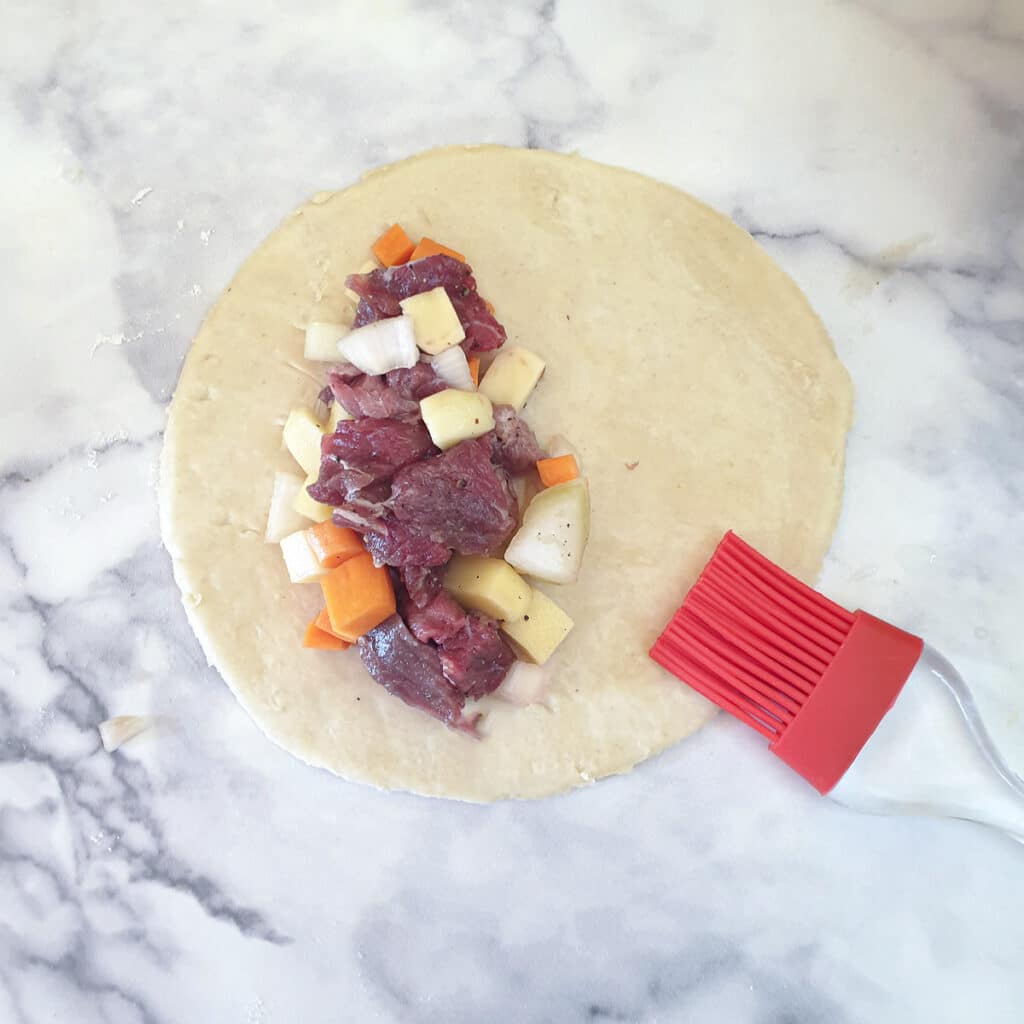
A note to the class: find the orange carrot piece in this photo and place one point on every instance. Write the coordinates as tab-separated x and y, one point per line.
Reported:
319	639
559	470
333	545
358	595
490	307
474	369
323	621
393	247
428	247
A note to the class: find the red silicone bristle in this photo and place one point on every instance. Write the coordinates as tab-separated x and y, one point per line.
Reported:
752	638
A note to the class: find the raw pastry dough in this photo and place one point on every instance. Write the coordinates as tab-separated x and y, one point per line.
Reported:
689	371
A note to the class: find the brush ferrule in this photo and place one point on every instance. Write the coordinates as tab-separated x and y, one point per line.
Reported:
858	687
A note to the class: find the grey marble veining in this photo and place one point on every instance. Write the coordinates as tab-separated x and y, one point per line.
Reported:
200	874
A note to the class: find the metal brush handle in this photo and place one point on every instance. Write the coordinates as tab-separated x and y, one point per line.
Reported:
932	754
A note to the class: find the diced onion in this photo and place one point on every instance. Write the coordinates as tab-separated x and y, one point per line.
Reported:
282	518
378	347
121	728
299	559
560	445
524	487
452	367
550	542
525	684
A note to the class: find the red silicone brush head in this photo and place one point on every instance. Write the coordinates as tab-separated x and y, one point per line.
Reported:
804	672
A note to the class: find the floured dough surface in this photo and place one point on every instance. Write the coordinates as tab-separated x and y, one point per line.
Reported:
699	387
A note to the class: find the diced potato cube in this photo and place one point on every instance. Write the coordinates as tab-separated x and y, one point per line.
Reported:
434	320
302	435
452	416
337	415
488	585
512	376
322	341
306	506
299	558
282	518
544	626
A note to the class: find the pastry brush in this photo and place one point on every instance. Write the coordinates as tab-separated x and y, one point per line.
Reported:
867	713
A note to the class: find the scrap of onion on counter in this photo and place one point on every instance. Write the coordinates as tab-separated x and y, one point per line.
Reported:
117	731
418	324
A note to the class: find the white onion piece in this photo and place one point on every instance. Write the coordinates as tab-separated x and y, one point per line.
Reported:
550	542
525	684
322	341
524	488
282	519
121	728
559	445
452	367
378	347
299	560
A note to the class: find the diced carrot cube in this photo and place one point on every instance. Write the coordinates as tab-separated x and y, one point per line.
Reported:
559	470
474	369
358	595
428	247
318	639
323	621
393	247
333	544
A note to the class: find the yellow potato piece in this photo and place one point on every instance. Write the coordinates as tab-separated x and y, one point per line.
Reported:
306	506
452	416
338	413
512	377
544	626
322	339
434	320
488	585
302	434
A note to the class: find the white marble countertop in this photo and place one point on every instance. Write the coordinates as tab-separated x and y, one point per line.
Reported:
200	874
